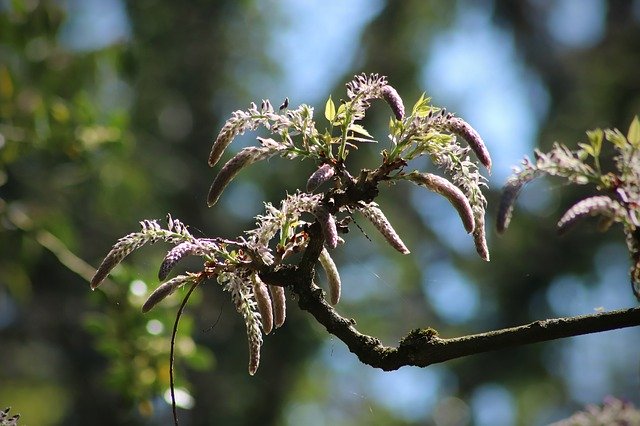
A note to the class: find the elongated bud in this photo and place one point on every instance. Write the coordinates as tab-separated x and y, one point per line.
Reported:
394	100
480	237
107	265
230	130
279	305
220	144
333	277
164	290
244	158
320	176
509	196
263	300
121	249
455	196
328	224
592	206
174	256
460	127
372	212
254	353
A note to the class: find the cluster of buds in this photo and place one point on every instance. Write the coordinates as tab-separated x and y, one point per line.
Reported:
237	265
619	200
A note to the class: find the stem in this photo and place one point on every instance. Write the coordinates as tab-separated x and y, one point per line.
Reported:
174	332
343	142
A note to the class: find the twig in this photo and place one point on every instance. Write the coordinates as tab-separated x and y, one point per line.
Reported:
174	332
423	347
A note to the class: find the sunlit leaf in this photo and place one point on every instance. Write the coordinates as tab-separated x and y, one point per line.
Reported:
330	110
615	137
364	140
587	149
418	102
359	129
595	137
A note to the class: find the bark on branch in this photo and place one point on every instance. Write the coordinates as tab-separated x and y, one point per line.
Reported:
423	347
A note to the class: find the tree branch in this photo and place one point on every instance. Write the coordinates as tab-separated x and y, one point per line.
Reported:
423	347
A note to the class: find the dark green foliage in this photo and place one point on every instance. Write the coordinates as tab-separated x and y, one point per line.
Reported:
94	140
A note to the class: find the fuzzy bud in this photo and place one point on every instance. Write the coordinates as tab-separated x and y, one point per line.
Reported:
455	196
328	224
174	256
480	237
592	206
263	300
242	159
509	196
320	176
460	127
279	305
373	213
164	290
394	100
333	277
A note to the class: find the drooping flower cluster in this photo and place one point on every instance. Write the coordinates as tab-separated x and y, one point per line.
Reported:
619	199
434	132
282	123
235	264
240	265
152	232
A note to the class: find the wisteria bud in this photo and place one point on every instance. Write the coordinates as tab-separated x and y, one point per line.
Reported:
333	277
328	224
451	192
320	176
372	212
480	237
394	100
460	127
174	256
279	305
244	158
510	193
592	206
263	300
164	290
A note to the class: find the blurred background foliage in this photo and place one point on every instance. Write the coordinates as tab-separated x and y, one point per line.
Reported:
107	112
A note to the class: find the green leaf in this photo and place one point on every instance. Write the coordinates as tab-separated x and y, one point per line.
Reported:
418	103
356	128
364	140
615	137
330	110
586	148
633	136
595	137
421	107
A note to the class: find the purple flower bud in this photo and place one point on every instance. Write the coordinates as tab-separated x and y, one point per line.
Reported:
394	100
